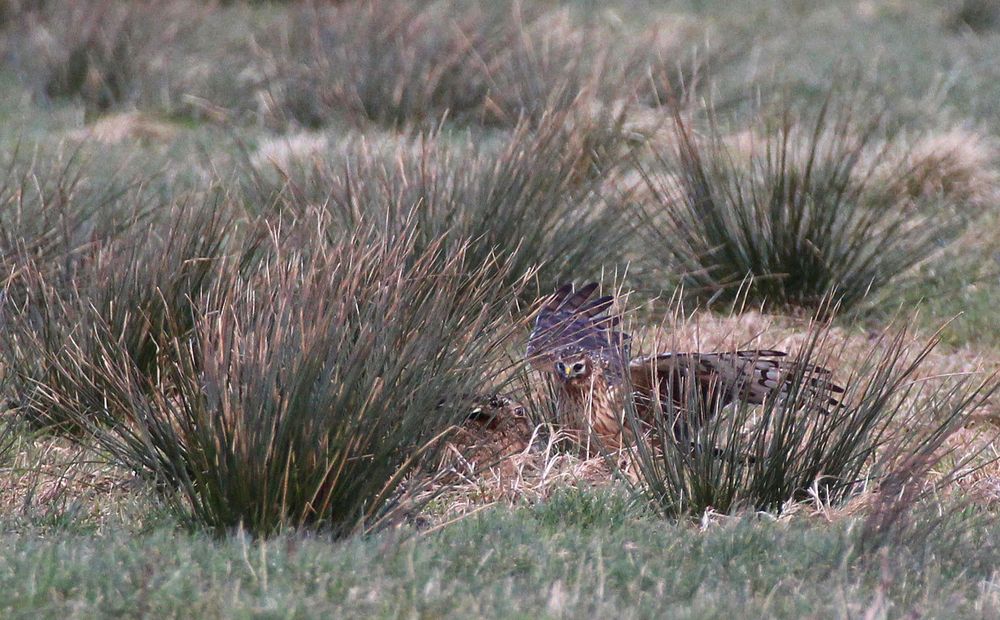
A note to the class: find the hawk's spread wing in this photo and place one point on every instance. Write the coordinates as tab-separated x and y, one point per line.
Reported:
568	319
750	376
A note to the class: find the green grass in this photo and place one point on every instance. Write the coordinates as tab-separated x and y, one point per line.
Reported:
964	295
557	560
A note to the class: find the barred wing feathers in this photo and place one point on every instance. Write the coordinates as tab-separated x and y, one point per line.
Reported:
751	376
570	318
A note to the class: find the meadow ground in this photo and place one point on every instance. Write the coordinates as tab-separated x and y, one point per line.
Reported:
258	256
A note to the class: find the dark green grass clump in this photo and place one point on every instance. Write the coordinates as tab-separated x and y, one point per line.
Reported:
815	209
132	295
304	391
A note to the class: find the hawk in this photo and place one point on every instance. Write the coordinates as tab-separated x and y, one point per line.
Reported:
578	341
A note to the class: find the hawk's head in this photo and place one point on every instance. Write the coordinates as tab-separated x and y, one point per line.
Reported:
577	340
573	365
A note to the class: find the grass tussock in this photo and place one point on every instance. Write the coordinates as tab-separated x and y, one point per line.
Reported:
807	212
133	297
889	431
536	198
388	61
956	164
57	211
126	127
307	389
58	484
497	64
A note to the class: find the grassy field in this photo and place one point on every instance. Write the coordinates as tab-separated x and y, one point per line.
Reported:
575	555
260	261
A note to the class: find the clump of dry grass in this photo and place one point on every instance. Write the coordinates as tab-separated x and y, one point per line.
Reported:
305	389
284	154
134	295
957	164
534	197
532	474
126	127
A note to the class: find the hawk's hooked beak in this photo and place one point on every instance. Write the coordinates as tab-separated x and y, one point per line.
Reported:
564	371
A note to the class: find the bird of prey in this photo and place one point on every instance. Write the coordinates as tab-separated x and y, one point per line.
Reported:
577	340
